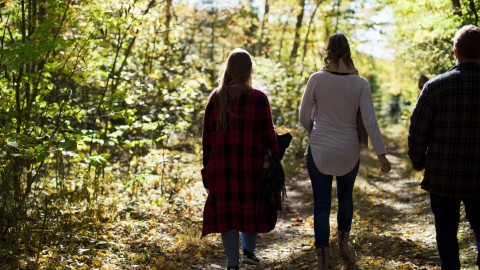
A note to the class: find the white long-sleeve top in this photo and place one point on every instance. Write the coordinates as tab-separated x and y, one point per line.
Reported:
328	111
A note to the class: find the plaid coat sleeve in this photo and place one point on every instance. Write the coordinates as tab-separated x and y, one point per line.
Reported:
269	135
208	130
420	127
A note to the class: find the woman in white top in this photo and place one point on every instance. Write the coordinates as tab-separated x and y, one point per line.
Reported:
330	105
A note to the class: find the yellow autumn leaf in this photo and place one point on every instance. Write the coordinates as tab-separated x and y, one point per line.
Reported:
159	261
154	76
108	267
138	257
101	254
97	263
179	241
272	236
199	256
406	266
131	33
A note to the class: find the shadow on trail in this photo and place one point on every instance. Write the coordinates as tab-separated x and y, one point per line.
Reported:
369	252
388	207
395	250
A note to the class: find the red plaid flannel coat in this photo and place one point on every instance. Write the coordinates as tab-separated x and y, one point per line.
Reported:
233	161
444	133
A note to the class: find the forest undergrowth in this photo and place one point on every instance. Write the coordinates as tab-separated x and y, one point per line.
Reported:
139	226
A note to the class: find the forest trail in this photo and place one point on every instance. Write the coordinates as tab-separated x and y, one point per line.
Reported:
392	227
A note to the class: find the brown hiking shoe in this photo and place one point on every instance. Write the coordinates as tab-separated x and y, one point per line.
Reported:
343	243
323	259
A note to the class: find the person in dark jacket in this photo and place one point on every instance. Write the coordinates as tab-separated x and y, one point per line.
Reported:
237	131
444	140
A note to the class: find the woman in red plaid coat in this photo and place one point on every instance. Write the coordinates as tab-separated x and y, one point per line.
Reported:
237	131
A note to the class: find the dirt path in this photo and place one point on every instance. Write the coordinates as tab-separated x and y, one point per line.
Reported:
392	227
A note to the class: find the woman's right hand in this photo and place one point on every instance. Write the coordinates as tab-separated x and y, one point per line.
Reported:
386	167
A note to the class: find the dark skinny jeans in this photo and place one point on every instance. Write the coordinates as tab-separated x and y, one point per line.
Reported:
322	200
447	216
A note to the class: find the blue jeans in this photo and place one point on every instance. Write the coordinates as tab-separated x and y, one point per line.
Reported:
230	245
322	201
447	216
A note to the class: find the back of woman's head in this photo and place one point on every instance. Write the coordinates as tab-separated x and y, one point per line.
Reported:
338	49
238	70
235	80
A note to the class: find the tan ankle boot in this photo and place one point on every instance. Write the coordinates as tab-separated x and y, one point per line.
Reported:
343	244
323	258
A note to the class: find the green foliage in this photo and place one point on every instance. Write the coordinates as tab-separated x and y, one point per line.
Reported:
271	77
423	39
84	85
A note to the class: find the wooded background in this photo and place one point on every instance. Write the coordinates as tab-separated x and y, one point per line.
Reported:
101	101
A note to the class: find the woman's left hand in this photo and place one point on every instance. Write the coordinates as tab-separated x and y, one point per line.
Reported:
385	164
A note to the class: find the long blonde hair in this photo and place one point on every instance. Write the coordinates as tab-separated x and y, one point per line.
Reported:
338	48
236	74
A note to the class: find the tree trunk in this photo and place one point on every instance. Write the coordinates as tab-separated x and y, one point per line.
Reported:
251	32
296	41
168	19
283	35
212	35
474	11
213	15
262	30
332	20
336	12
457	8
305	43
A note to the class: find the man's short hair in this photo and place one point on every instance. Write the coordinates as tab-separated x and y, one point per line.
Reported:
467	42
